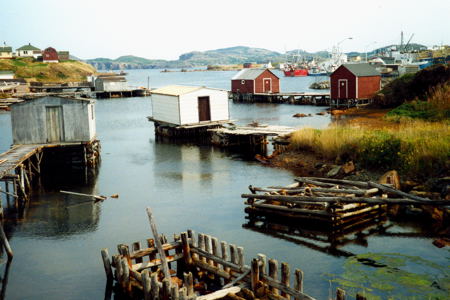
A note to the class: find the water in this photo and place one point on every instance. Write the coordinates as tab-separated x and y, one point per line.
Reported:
57	241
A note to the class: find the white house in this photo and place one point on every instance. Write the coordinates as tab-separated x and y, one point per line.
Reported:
53	119
6	51
183	105
28	51
6	75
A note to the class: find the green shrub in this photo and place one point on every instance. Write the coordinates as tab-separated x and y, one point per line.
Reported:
379	149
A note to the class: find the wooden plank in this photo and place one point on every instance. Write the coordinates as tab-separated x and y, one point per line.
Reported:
156	262
237	279
231	265
162	255
296	294
212	269
152	249
220	293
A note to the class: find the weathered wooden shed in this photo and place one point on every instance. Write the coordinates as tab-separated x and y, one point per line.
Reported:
113	83
255	81
50	55
355	81
182	105
53	120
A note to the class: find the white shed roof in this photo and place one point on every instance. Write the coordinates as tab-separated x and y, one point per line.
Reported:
176	90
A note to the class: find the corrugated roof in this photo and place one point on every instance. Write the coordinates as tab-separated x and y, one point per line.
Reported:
28	47
248	74
362	70
176	90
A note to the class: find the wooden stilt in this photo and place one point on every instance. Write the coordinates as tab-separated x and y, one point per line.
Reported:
107	264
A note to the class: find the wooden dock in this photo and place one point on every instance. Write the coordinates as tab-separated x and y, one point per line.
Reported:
298	98
250	136
199	267
21	165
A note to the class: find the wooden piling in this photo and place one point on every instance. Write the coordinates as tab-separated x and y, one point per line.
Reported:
165	289
146	285
262	264
186	249
162	255
240	257
298	283
189	284
340	294
273	273
107	264
136	247
233	254
285	275
154	292
254	274
174	294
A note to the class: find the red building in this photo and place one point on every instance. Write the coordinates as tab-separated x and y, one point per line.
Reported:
50	55
255	81
355	81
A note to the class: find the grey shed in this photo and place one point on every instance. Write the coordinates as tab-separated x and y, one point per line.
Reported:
53	120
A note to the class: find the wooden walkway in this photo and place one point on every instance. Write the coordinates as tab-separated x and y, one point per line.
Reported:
269	130
15	156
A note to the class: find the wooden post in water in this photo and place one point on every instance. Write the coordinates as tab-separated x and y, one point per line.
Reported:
273	273
107	264
186	249
154	292
254	275
162	255
285	274
298	281
146	284
340	294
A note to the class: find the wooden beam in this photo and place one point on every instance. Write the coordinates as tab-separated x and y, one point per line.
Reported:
162	255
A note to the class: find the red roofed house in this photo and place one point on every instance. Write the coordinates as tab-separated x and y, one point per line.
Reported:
355	81
255	81
50	55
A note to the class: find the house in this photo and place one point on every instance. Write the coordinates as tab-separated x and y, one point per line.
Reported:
50	55
255	81
111	83
28	51
63	55
182	105
6	75
53	119
6	52
355	81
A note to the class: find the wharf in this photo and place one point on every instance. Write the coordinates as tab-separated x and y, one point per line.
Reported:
21	164
300	98
5	103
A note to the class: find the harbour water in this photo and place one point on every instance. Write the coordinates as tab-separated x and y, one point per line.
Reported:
57	240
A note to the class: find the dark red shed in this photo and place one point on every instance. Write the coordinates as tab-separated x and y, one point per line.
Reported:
50	55
355	81
255	81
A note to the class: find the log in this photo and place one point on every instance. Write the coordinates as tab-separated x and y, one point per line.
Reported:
220	293
285	276
96	197
237	279
156	236
314	182
254	275
362	184
388	189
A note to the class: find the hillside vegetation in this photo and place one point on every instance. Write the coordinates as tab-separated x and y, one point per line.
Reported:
31	70
416	86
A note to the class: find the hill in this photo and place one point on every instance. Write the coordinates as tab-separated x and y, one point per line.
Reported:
31	70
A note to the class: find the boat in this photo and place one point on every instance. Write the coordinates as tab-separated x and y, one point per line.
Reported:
292	70
315	71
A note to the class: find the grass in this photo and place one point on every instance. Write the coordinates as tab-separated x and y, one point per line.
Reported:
32	70
415	148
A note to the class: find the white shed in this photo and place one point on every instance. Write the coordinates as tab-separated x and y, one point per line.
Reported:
53	120
183	105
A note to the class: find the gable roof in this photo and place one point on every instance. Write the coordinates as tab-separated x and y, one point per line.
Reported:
362	70
249	74
176	90
5	49
29	47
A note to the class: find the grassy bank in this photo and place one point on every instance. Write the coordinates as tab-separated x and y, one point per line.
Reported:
415	148
31	70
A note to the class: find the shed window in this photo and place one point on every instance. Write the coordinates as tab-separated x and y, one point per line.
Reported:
242	81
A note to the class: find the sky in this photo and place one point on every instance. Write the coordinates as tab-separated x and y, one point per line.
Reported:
166	29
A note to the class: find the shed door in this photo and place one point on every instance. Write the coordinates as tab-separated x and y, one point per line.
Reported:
343	89
204	111
267	85
55	131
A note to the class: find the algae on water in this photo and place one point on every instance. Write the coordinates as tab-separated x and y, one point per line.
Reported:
393	276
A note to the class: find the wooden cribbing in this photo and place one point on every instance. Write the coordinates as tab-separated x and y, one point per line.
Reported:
174	294
201	244
224	247
152	250
378	200
215	248
162	255
233	254
154	292
212	269
298	283
225	263
156	262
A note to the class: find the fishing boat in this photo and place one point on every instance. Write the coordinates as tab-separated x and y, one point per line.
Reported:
292	70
